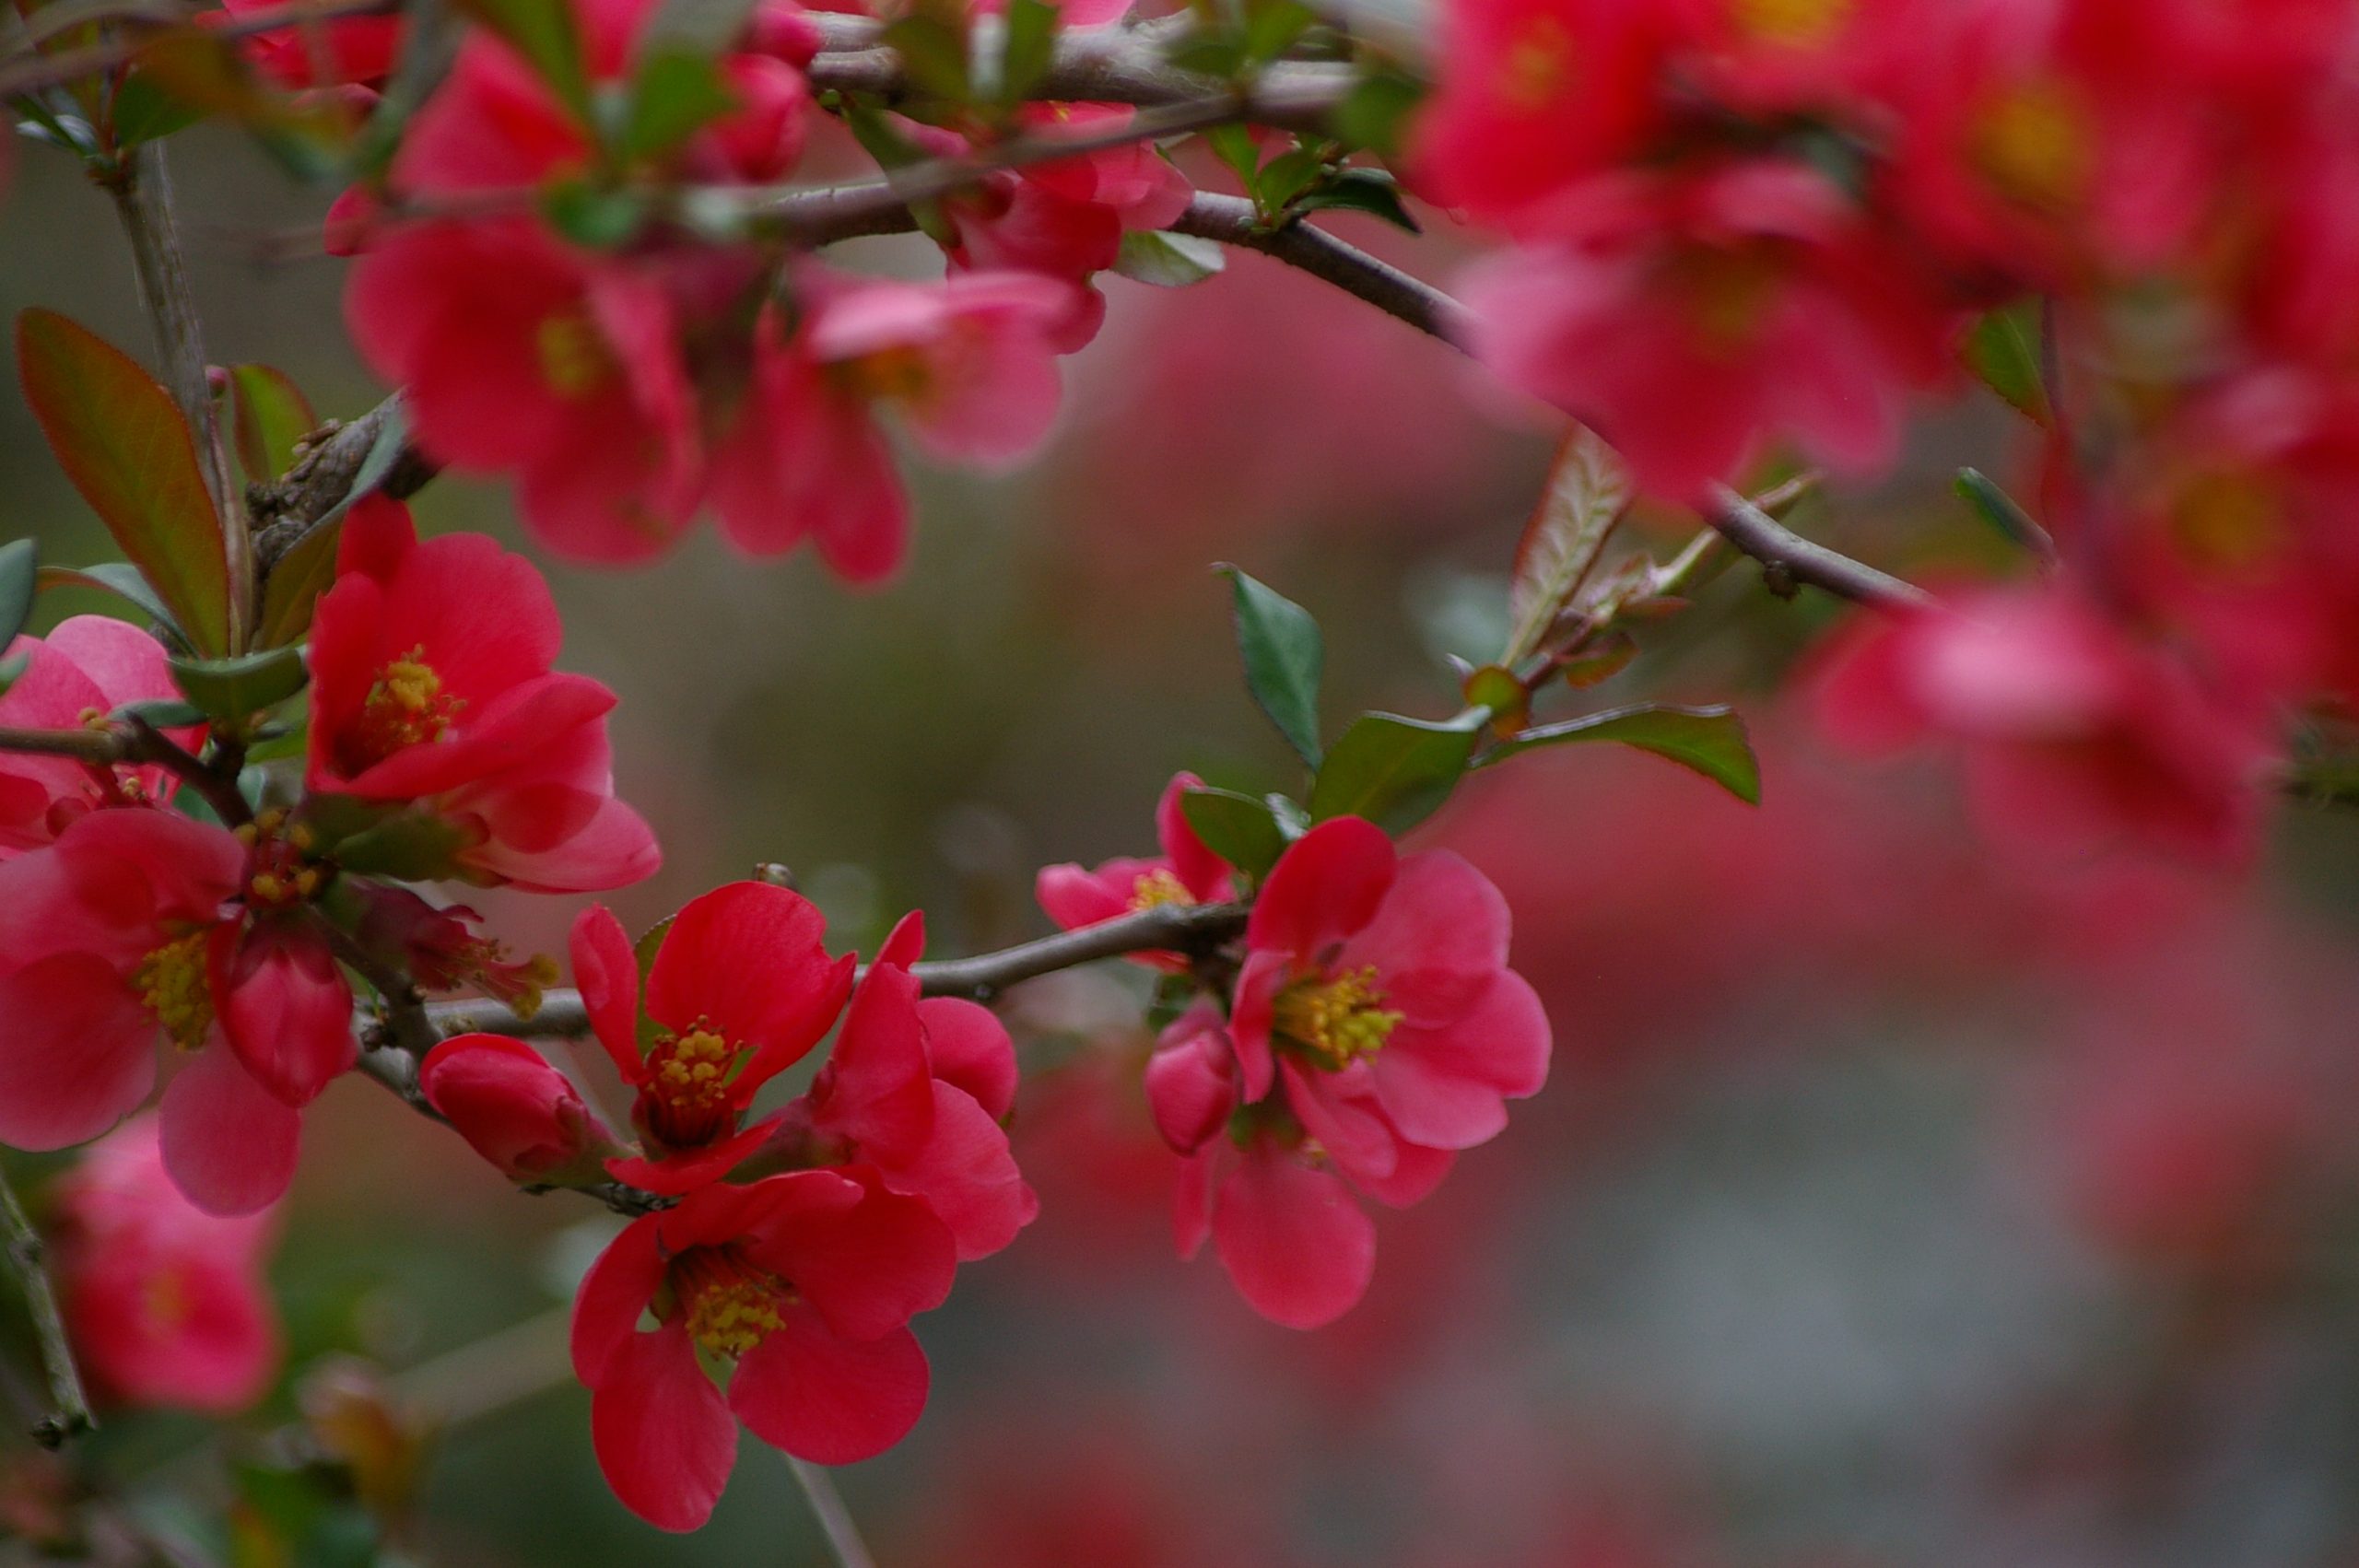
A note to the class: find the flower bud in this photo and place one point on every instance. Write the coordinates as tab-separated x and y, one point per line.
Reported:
1191	1080
516	1110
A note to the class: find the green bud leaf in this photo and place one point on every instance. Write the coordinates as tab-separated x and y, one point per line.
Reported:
675	94
231	691
1239	829
1395	772
1709	741
2002	352
1285	657
1169	261
1361	189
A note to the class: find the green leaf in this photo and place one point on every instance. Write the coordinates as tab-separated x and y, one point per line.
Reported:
1235	146
18	576
1588	491
270	414
232	690
2001	511
146	112
126	583
121	440
1272	27
1374	111
675	94
1361	189
2003	351
1283	658
1396	772
1169	261
1284	177
1031	47
1239	829
1711	741
409	846
934	55
162	713
296	581
543	32
595	217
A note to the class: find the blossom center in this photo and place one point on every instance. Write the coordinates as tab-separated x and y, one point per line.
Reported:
899	374
282	872
1793	22
686	1088
730	1305
574	361
2230	523
171	984
2033	144
1337	1020
406	707
1537	68
1157	888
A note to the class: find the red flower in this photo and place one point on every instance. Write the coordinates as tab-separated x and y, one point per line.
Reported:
89	665
319	53
741	990
917	1090
1187	872
2073	732
1690	320
516	1110
165	1304
432	684
969	364
1376	1029
803	1285
123	931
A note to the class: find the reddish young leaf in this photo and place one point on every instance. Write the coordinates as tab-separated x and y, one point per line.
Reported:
1588	490
121	440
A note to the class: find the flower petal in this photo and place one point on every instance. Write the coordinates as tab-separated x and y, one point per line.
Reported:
830	1400
1299	1248
666	1440
229	1144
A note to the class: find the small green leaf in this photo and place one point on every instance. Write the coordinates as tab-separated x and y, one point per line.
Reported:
1396	772
1361	189
543	32
1711	741
162	713
1271	28
1284	177
1031	47
126	583
146	112
2002	352
18	576
1601	663
1235	146
121	440
1283	659
934	55
232	690
1239	829
1169	261
675	94
595	217
2001	511
270	414
1374	111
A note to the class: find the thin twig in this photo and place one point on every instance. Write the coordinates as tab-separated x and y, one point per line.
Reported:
1797	559
835	1519
72	1411
1233	221
40	72
131	742
1181	927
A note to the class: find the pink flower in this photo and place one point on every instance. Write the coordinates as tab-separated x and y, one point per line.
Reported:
968	365
348	50
1186	872
802	1286
90	665
740	990
2074	733
918	1089
1694	319
516	1110
1375	1030
165	1304
432	687
123	931
522	353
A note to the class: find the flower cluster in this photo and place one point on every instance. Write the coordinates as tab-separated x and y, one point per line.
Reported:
803	1240
1735	225
630	380
1371	1031
442	746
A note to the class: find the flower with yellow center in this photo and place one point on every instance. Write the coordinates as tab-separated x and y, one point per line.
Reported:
1157	888
730	1304
685	1092
1335	1021
406	707
171	984
897	375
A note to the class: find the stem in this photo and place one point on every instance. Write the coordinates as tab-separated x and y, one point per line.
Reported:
1193	929
835	1519
71	1413
142	188
1788	554
1234	220
133	742
24	73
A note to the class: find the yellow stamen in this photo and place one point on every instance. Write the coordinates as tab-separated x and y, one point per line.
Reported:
901	374
171	985
406	706
686	1094
1795	23
1158	888
574	360
730	1305
2033	142
1337	1020
2231	525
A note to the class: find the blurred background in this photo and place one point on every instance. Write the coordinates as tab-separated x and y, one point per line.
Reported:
1893	1201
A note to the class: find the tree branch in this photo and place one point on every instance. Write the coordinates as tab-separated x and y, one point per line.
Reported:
38	72
1192	929
1233	221
1790	556
835	1519
71	1412
132	743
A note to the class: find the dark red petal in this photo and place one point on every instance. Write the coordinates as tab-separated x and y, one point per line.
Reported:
229	1144
1299	1248
607	974
665	1439
1324	888
830	1400
613	1297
